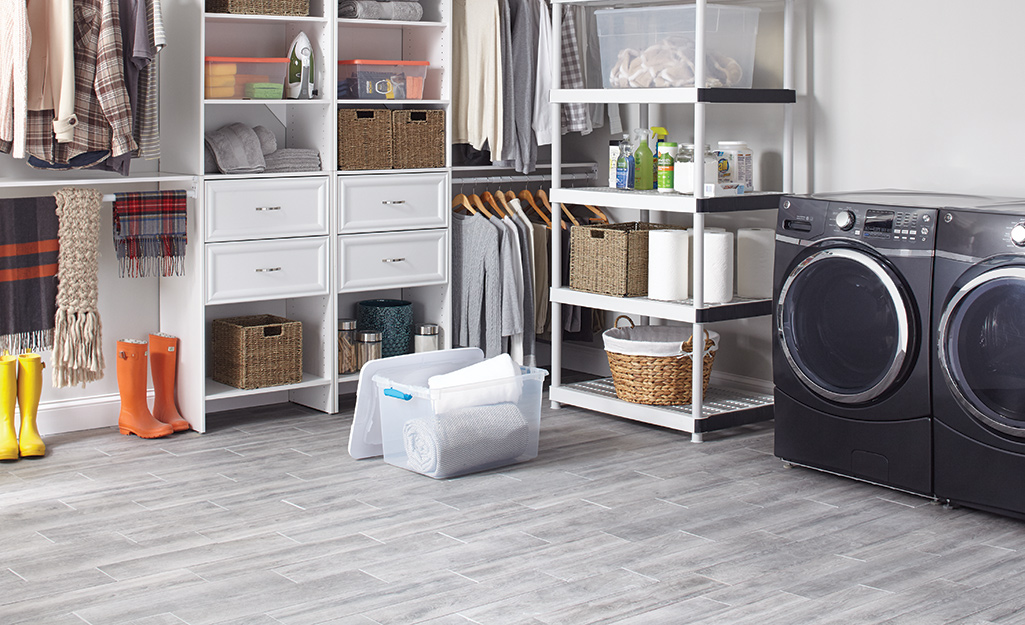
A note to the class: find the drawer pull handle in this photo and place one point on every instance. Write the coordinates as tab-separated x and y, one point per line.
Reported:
268	269
393	202
268	208
392	260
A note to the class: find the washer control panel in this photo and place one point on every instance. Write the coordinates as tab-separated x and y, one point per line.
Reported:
883	226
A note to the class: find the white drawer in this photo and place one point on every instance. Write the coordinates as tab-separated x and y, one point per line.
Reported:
392	202
258	209
401	259
259	270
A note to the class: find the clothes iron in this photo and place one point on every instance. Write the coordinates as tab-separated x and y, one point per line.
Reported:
299	82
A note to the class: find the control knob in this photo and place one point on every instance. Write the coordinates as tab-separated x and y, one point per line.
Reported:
845	220
1018	234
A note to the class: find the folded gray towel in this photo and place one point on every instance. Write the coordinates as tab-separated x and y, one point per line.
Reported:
374	10
236	148
268	142
293	159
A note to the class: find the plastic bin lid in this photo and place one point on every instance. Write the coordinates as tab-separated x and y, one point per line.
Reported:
365	436
380	62
242	59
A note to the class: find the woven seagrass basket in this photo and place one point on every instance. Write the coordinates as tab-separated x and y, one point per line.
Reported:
364	139
418	138
656	380
256	351
260	7
611	259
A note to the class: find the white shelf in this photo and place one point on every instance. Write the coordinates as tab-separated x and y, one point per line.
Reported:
739	308
722	407
52	178
369	102
275	174
673	95
216	390
358	23
666	202
233	102
233	18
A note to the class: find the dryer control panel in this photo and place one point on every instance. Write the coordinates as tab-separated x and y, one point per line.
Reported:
891	227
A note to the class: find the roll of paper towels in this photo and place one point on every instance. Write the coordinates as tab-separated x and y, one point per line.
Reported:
755	248
668	264
718	273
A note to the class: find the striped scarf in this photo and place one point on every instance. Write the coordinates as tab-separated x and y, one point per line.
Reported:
28	273
149	233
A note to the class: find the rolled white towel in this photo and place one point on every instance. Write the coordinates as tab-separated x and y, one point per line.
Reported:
466	440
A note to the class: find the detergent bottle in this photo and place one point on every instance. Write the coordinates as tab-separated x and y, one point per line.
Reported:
625	166
659	134
645	163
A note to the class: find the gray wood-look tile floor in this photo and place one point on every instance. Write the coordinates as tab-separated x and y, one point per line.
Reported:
267	520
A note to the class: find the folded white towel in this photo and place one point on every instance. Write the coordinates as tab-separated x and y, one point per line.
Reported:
490	381
470	439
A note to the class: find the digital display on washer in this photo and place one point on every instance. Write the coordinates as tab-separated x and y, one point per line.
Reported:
878	221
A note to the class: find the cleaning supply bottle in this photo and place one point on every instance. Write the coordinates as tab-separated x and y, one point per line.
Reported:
659	134
645	166
625	166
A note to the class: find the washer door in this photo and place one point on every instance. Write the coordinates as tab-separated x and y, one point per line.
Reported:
844	323
982	348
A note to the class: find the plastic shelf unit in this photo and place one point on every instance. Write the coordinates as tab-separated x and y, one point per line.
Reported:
721	407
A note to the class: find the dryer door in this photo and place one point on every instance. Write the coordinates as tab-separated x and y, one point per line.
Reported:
844	323
981	348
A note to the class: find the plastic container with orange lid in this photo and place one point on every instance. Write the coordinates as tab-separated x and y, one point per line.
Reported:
363	79
238	78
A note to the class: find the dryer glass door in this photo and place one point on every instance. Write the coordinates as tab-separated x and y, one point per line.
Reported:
982	348
843	323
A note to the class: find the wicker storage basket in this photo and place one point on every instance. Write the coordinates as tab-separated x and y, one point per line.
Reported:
611	259
418	139
260	7
653	364
256	351
364	139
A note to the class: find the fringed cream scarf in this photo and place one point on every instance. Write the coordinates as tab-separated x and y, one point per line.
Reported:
77	351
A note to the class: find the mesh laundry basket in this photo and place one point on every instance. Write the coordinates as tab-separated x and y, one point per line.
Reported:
653	364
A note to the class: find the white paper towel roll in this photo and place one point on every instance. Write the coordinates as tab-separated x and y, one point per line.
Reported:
755	247
718	273
668	264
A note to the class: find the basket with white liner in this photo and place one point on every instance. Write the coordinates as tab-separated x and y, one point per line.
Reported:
653	364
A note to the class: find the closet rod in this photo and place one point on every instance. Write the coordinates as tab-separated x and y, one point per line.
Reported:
110	197
521	178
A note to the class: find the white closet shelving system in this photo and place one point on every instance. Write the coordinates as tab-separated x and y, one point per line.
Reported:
723	407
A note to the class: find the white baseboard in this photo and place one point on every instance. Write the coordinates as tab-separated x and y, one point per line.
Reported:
71	415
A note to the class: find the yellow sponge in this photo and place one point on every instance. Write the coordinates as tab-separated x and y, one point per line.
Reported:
220	81
221	69
220	92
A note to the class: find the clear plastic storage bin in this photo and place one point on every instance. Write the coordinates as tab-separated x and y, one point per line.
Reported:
361	79
654	46
462	429
244	78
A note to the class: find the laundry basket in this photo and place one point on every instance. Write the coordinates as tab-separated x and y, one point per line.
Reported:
653	364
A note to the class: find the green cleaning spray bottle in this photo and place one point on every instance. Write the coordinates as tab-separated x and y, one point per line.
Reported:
644	176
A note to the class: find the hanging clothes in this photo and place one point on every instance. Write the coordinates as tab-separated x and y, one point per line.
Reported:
477	74
28	273
104	120
525	15
542	122
575	116
51	64
147	120
14	51
476	285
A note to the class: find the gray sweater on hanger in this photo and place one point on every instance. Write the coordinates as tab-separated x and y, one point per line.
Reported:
476	285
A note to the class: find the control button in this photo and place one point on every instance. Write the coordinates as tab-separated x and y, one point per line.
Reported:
926	218
845	220
1018	234
925	231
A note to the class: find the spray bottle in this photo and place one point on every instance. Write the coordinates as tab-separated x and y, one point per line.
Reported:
645	168
659	134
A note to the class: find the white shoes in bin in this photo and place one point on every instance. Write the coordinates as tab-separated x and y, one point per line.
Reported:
447	413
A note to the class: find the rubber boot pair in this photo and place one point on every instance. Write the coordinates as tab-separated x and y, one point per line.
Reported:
135	416
21	382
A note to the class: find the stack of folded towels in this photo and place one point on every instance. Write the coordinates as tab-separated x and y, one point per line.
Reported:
239	149
377	10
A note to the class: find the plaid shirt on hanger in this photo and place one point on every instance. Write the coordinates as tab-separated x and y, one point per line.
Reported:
101	101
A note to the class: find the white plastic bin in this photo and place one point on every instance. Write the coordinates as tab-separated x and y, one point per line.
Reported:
654	46
461	429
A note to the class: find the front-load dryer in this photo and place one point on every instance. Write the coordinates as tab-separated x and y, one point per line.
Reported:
852	300
979	359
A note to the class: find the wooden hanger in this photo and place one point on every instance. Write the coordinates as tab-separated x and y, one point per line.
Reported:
528	197
544	200
479	204
461	201
602	217
490	199
501	200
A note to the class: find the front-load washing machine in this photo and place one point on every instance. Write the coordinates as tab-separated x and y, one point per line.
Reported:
852	301
979	359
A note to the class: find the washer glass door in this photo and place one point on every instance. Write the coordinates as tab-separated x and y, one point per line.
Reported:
982	348
844	322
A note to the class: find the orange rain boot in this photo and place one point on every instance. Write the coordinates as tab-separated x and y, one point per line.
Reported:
30	387
163	361
135	417
8	399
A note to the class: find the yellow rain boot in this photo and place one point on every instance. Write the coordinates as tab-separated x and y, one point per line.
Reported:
30	386
8	398
135	416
